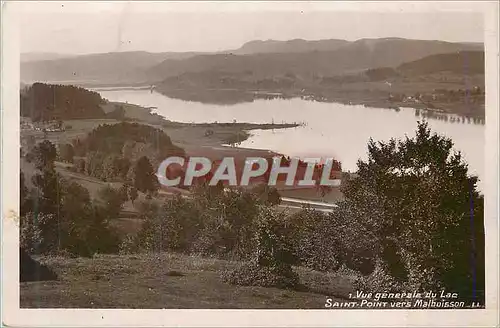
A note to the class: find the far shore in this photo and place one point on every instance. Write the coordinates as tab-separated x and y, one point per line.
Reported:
365	97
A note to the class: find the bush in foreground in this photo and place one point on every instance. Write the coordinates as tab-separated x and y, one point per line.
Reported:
271	264
253	274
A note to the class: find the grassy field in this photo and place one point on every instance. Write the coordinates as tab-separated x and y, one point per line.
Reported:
167	280
74	129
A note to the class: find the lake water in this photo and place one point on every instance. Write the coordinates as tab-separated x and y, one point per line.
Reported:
330	130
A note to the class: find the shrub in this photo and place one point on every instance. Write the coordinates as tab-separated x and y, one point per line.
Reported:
270	265
214	223
252	274
379	280
266	194
228	222
124	191
111	200
210	241
31	236
148	213
132	194
66	153
173	226
95	164
44	155
315	237
129	245
92	235
80	165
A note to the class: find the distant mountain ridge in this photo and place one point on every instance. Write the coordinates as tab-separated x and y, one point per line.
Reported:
113	67
355	56
296	45
260	58
300	45
37	56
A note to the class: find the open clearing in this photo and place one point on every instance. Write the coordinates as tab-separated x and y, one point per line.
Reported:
166	280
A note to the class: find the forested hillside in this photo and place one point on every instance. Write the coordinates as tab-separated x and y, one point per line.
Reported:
45	102
463	62
129	140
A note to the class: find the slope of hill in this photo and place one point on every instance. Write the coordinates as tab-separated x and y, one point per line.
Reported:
395	51
113	67
463	62
458	64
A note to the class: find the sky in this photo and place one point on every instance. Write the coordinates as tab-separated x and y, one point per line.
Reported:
90	27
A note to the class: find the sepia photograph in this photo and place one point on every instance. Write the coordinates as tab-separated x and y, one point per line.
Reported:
249	156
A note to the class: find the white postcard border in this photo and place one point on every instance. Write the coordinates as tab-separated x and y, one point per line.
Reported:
14	316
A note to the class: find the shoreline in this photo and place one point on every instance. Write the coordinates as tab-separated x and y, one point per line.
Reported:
208	134
346	97
366	97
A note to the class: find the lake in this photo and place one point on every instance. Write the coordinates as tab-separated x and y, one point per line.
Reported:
330	129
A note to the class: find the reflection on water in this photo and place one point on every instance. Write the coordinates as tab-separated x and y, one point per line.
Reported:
451	118
330	129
